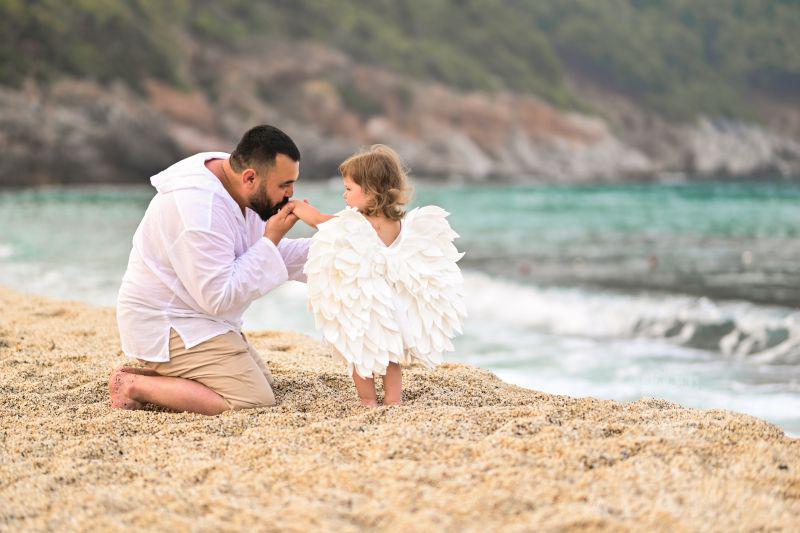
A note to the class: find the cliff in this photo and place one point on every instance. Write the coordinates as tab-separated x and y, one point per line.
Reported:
71	131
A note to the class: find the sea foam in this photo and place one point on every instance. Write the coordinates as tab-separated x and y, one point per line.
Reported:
736	329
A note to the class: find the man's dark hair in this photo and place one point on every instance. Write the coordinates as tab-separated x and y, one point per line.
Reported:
260	145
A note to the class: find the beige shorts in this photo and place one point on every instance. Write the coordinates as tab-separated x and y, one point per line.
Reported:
226	364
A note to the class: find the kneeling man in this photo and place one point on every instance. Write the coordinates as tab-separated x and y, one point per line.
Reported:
201	255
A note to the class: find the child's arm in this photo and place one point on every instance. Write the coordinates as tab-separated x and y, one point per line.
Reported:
309	214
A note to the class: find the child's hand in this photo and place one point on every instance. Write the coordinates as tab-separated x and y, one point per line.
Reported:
305	212
308	213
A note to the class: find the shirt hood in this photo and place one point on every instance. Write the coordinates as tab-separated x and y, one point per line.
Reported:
189	173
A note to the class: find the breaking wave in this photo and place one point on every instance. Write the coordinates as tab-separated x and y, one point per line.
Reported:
743	330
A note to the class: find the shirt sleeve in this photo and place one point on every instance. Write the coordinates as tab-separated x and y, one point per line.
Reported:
219	282
295	255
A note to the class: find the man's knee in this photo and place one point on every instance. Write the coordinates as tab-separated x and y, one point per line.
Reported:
265	398
261	397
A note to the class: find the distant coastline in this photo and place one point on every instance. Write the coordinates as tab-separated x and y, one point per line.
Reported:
603	92
79	131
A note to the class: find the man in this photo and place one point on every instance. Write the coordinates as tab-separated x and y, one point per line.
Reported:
201	254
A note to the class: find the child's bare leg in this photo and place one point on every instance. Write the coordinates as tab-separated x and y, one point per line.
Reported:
393	385
366	390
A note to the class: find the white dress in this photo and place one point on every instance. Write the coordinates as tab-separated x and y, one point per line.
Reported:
377	304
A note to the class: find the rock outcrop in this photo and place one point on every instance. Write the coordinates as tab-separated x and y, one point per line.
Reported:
77	131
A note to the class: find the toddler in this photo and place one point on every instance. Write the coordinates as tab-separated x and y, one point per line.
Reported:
383	284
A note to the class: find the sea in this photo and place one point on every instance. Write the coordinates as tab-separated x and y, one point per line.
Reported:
687	290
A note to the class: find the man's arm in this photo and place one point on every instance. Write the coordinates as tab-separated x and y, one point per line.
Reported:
295	255
295	251
217	280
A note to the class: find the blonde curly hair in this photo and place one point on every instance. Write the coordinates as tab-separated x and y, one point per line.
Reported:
383	178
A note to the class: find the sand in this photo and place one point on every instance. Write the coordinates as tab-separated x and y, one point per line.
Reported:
465	452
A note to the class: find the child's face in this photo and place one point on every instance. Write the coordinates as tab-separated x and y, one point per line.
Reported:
353	195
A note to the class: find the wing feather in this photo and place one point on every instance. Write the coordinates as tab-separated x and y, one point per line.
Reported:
349	296
429	283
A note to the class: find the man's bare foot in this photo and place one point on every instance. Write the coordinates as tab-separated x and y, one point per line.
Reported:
119	389
393	403
369	403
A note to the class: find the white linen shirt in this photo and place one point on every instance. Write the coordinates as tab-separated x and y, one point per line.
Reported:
197	263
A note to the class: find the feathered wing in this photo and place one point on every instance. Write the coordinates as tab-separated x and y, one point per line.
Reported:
428	284
349	296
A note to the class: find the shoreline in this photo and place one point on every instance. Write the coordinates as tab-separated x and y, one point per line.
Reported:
465	451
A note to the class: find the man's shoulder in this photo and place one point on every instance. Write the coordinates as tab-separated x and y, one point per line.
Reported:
195	162
189	173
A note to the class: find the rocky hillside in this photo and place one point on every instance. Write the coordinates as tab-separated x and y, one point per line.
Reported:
557	103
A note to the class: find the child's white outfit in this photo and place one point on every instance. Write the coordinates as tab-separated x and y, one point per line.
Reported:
377	304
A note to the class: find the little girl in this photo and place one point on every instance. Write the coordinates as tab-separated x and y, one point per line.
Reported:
383	284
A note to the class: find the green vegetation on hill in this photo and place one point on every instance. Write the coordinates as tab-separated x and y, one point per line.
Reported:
680	57
100	39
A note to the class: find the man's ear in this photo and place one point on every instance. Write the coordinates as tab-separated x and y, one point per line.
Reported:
248	177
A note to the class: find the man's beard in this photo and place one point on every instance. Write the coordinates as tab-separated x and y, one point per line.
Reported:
261	204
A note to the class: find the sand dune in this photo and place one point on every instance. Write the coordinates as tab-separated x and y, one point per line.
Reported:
466	451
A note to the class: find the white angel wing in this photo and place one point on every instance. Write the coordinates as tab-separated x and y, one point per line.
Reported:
429	284
349	295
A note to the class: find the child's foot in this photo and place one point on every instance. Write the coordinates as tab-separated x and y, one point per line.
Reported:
119	388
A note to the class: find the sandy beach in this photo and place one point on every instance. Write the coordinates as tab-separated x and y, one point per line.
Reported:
465	452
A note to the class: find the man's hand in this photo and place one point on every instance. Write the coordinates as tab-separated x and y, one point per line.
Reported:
280	223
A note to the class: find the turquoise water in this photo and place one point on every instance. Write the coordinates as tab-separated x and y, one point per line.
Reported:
690	292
